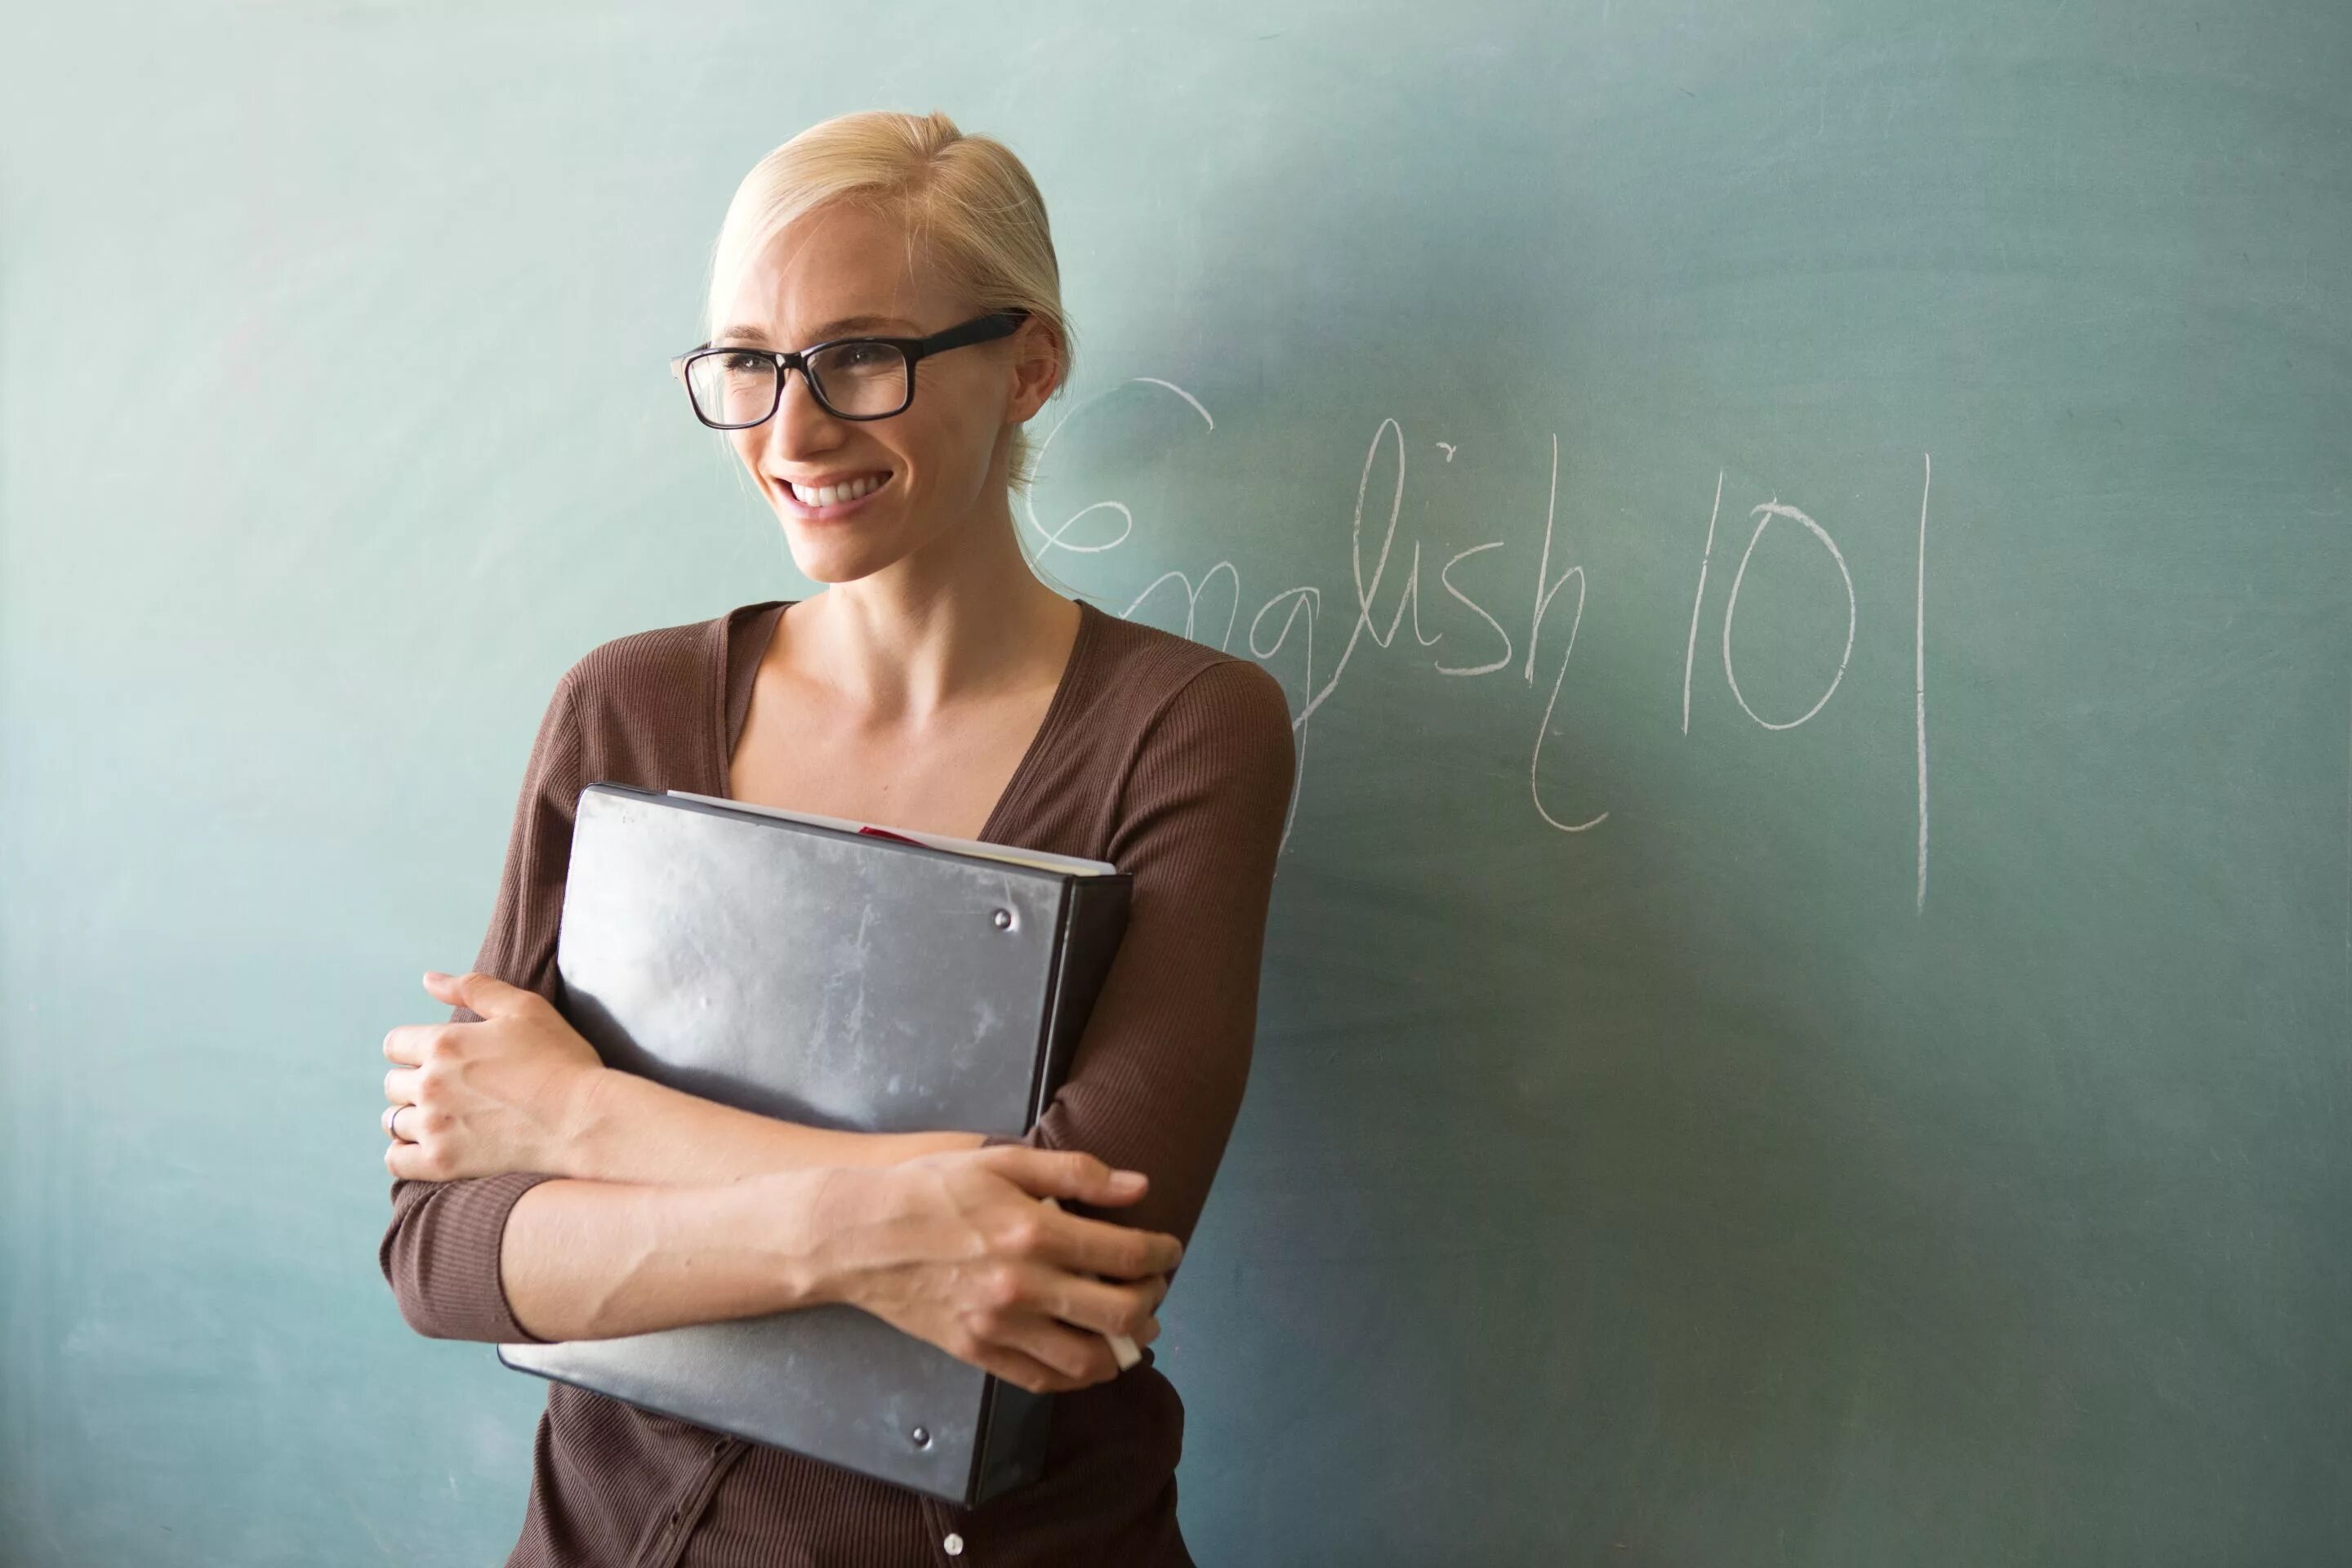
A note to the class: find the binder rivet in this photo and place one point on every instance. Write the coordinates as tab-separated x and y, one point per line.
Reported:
922	1436
1003	920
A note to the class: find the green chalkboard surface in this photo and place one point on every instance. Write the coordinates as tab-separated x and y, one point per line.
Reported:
1808	1015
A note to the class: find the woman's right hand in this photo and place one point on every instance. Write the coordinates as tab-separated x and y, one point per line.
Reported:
956	1249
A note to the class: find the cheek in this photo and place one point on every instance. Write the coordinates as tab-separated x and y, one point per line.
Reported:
961	441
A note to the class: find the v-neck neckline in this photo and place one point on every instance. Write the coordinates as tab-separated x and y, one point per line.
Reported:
735	680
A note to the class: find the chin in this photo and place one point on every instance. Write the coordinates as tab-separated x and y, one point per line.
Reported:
832	564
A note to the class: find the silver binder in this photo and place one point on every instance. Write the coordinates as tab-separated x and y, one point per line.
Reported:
845	980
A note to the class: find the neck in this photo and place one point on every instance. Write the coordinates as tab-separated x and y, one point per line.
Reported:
924	633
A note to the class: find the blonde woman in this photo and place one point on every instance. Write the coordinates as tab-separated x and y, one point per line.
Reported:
883	317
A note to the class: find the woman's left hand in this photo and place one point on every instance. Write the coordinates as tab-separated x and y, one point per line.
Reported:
476	1099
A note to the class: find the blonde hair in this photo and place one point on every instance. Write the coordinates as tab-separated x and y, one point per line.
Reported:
969	206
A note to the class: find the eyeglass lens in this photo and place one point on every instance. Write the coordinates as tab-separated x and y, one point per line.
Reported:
854	379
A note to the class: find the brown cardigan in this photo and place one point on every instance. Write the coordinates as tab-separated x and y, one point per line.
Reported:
1166	757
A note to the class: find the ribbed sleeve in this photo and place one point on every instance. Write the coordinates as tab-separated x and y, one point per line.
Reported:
440	1252
1159	1074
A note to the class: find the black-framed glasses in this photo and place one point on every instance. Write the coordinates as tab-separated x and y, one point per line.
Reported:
734	388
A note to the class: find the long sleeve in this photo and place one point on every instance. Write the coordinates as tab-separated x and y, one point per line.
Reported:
1158	1077
440	1253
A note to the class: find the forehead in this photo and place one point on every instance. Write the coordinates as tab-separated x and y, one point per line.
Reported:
834	272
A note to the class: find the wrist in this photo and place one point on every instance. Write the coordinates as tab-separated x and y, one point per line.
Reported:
795	1218
834	1219
584	1115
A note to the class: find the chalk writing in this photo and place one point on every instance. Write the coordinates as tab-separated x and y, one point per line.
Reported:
1294	611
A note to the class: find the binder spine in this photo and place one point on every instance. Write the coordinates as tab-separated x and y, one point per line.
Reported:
1010	1448
1094	918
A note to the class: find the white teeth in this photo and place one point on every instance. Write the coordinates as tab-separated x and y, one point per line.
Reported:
827	495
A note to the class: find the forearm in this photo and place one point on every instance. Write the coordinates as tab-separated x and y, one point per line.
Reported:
582	1261
631	1129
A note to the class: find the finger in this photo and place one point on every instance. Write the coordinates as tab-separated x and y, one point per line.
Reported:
406	1043
1086	1246
485	993
1081	1358
1129	1315
402	1085
410	1163
1026	1370
1103	1307
1065	1174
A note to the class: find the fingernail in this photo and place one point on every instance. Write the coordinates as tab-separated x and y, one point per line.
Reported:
435	975
1128	1178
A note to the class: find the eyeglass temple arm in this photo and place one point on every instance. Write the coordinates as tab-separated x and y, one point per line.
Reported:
980	331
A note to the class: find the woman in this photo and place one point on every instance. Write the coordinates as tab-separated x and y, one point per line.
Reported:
934	683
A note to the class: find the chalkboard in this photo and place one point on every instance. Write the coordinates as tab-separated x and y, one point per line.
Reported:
1807	1006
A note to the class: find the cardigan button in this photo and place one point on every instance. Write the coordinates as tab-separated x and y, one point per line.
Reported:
953	1544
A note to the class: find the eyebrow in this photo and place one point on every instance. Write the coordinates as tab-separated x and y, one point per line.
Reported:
829	330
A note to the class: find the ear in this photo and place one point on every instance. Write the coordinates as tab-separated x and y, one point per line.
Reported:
1036	369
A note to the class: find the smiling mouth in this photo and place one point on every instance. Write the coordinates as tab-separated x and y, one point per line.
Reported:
836	495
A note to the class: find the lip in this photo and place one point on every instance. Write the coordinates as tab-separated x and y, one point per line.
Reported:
839	509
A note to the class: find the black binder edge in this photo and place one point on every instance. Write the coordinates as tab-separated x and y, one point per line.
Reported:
965	1499
1008	1449
1094	916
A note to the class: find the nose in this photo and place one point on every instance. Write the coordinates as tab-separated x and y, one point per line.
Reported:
800	426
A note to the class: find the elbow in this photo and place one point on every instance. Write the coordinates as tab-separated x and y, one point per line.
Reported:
440	1255
434	1320
415	1311
404	1271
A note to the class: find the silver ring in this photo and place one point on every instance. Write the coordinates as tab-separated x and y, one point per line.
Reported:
392	1123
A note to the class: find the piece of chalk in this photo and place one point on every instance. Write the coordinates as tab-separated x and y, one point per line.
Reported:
1120	1345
